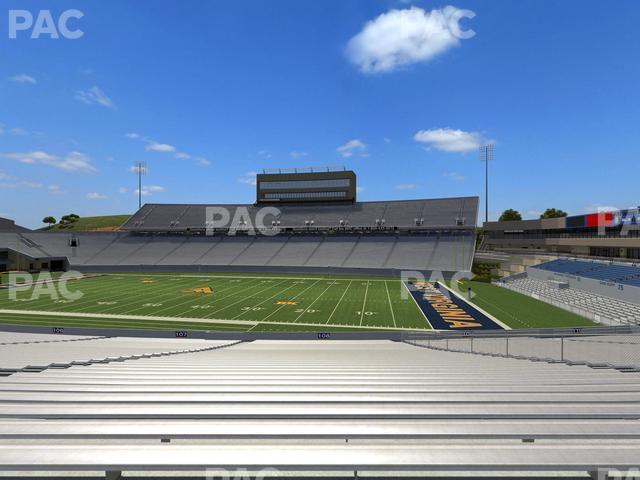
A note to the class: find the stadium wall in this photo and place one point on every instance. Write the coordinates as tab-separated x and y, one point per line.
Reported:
390	272
619	291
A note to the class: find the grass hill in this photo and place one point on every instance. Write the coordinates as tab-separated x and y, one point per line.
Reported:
85	224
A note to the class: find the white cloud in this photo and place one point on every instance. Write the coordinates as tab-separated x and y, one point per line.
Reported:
94	96
360	189
264	154
387	140
20	184
348	149
71	162
450	140
296	154
160	147
122	190
249	178
23	78
406	186
403	37
96	196
149	190
155	146
17	131
454	176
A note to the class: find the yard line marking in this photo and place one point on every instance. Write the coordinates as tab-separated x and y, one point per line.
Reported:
366	290
243	299
390	304
104	294
418	306
161	293
339	302
280	292
296	296
311	304
47	300
191	298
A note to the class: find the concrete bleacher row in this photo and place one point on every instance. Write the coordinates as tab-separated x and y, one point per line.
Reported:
428	251
408	213
604	309
336	406
43	351
607	271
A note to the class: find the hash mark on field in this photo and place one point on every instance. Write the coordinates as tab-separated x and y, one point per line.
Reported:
279	292
311	304
339	301
390	304
296	296
366	290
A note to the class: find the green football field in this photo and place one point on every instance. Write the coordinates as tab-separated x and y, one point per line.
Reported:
255	303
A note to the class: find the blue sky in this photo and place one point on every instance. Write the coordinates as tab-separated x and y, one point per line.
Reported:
206	92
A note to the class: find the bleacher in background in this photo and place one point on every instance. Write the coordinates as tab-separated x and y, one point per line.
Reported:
445	212
598	270
422	235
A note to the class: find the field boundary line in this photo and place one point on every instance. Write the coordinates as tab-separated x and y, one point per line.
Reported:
240	275
418	306
190	320
480	309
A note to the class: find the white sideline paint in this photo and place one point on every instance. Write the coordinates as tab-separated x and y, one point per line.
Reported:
453	292
250	323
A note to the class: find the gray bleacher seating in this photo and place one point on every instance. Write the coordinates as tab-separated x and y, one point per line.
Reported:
408	234
435	212
599	270
608	310
374	407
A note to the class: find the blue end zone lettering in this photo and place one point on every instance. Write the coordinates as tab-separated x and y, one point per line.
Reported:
446	311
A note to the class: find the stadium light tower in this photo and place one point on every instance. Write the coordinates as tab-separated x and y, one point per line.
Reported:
486	154
140	169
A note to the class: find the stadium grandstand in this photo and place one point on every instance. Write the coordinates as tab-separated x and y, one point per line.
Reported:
283	338
310	235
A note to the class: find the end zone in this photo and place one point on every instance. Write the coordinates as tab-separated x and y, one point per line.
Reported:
444	309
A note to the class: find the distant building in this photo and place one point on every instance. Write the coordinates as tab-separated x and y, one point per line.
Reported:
614	234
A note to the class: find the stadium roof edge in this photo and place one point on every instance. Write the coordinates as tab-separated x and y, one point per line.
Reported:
329	204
